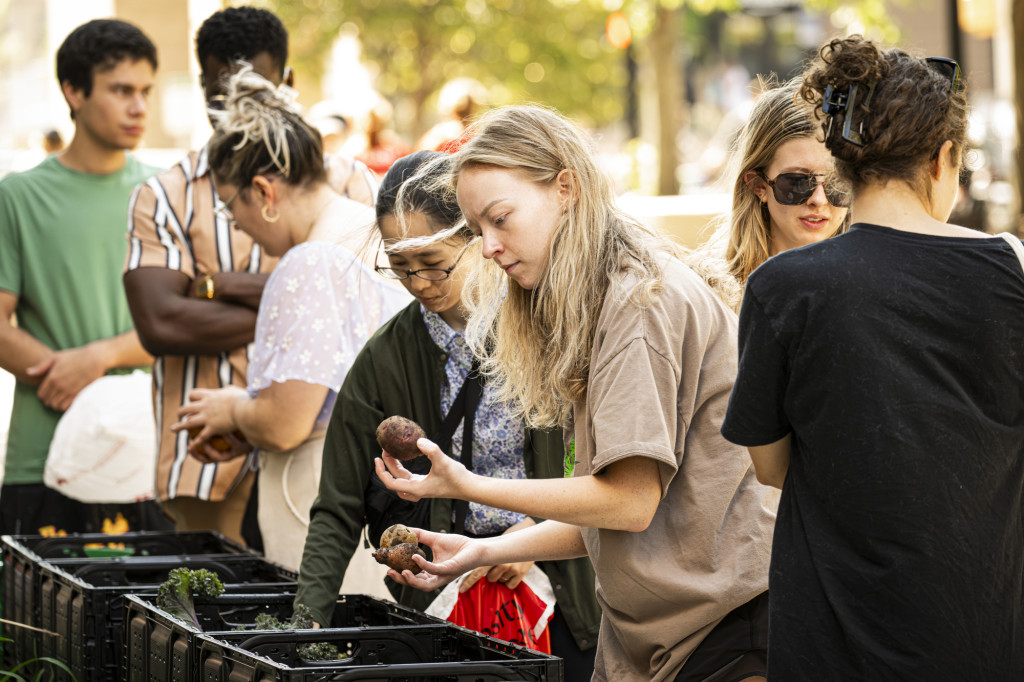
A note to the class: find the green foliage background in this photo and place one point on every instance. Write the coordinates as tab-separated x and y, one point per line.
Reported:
550	51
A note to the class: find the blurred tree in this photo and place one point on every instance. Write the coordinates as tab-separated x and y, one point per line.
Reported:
549	51
658	22
553	52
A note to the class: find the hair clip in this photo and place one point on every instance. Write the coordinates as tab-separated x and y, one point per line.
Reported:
835	103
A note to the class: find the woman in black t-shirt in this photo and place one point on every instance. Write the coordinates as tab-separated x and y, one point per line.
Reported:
880	387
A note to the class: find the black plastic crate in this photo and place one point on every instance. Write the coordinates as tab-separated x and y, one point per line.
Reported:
23	553
83	601
138	543
414	652
20	571
161	647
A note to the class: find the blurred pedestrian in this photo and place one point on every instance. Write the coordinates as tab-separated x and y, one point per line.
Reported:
319	307
377	144
458	102
587	320
52	141
880	388
62	230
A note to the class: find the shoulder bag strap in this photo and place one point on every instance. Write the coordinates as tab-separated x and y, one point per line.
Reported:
463	409
1016	245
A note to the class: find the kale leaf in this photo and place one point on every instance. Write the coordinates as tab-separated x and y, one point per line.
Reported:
176	593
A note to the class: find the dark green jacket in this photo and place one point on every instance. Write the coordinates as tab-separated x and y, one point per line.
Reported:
400	371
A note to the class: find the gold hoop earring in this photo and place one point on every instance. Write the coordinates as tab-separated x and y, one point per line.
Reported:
266	215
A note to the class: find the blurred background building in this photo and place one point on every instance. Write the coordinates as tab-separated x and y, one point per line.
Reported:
663	83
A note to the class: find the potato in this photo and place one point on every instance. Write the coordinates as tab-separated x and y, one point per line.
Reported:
396	535
397	436
399	557
219	443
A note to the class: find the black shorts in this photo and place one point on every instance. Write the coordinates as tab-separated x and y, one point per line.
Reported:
736	649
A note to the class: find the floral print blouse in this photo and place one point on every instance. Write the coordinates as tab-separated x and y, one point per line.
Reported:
320	305
498	436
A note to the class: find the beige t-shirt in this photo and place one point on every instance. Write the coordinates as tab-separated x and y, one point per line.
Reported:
659	382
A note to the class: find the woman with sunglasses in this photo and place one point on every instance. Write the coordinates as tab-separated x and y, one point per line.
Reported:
784	194
415	366
880	387
319	306
588	321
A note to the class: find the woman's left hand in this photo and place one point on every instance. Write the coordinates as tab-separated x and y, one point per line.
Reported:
209	412
444	480
509	575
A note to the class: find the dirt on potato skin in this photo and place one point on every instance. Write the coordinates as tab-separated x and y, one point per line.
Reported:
397	436
396	535
399	557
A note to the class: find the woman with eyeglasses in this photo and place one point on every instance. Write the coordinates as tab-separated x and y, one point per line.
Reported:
785	194
415	366
320	305
880	387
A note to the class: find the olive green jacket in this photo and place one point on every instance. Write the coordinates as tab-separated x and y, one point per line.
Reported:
400	371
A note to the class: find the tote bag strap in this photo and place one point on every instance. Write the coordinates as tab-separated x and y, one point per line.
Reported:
1016	245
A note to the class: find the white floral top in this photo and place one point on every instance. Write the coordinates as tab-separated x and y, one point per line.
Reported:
320	305
498	436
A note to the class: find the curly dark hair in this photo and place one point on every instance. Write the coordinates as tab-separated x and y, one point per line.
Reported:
241	33
912	111
99	45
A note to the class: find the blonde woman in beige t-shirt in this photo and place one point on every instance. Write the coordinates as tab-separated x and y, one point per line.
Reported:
585	319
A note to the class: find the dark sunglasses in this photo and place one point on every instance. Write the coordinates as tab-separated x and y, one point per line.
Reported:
949	70
793	189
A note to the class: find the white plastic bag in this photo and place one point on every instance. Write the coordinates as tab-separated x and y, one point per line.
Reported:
104	447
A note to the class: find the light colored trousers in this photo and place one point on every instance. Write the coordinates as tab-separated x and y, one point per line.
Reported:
288	485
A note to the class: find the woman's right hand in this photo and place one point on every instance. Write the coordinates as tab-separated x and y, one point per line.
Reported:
453	556
445	479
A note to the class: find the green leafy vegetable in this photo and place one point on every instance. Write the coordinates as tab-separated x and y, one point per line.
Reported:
176	594
302	619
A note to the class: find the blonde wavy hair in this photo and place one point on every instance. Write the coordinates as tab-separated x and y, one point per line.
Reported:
535	345
778	116
261	131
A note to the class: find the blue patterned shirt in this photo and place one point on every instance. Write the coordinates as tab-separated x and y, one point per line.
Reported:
498	436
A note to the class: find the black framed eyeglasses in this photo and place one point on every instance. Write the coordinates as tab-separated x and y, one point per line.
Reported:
950	69
793	189
430	274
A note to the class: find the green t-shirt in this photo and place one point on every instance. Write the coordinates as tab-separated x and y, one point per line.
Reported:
62	251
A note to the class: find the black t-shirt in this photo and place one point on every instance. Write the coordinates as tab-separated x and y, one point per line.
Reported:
896	360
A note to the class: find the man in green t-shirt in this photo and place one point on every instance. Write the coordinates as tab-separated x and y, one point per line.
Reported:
62	245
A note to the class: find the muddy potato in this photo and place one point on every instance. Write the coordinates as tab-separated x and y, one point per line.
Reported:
396	535
397	436
399	557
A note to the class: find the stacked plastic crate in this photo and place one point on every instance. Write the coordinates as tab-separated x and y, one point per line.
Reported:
88	602
70	590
